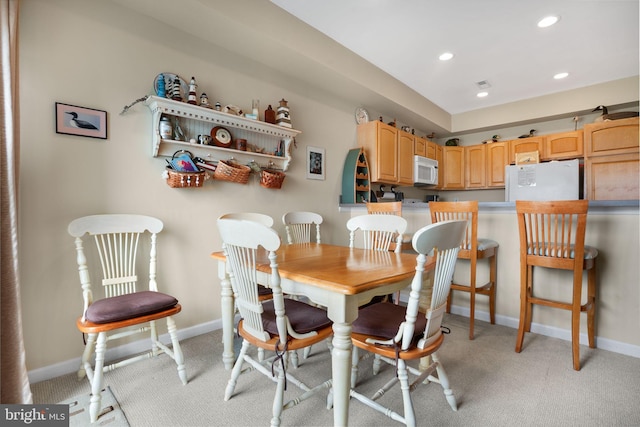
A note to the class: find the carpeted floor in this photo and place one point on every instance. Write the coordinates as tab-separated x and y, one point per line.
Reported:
111	415
494	386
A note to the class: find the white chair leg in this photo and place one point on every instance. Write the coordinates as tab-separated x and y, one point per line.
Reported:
279	397
235	372
444	382
355	358
86	355
377	364
96	380
177	350
403	377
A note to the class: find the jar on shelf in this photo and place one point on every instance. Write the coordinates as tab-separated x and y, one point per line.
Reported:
166	128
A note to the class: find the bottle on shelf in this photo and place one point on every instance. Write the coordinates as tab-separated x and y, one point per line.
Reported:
270	115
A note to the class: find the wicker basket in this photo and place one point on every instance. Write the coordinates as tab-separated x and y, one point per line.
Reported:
271	178
177	179
233	172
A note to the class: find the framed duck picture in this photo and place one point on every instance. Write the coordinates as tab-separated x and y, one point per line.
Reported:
81	121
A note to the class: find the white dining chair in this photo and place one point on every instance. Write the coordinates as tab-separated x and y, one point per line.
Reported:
378	231
281	325
116	308
301	225
399	334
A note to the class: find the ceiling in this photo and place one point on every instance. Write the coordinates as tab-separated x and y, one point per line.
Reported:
495	41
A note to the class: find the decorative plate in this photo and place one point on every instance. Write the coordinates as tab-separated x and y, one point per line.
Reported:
221	137
184	87
362	116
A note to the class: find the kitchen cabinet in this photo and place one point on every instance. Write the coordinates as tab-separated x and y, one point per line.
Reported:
562	146
270	144
454	172
497	158
525	145
612	160
420	147
475	166
405	158
355	178
389	151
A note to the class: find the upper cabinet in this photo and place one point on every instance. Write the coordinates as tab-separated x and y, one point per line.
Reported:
475	166
420	147
525	145
497	158
267	144
567	145
389	151
454	172
612	160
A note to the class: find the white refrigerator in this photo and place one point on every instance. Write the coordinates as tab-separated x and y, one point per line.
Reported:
557	180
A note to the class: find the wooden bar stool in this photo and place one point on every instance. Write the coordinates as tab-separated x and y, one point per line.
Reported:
473	248
552	235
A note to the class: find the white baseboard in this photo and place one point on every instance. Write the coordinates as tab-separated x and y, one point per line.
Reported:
69	366
115	353
554	332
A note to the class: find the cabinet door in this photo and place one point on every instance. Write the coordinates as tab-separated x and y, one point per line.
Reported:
420	147
613	177
525	145
431	150
497	159
405	158
453	159
441	166
475	172
387	153
567	145
613	137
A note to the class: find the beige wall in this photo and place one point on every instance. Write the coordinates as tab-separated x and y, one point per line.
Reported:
99	55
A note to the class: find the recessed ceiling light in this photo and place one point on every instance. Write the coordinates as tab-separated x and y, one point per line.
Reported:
482	94
548	21
445	56
560	76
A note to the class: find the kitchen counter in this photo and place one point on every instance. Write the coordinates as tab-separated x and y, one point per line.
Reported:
595	207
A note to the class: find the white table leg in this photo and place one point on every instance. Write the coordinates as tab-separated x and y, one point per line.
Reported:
227	311
341	372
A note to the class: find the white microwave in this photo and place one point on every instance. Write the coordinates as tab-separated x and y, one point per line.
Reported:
425	171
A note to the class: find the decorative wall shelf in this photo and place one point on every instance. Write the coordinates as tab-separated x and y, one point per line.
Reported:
355	178
195	120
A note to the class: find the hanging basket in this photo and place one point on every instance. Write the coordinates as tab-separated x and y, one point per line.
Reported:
272	178
177	179
232	172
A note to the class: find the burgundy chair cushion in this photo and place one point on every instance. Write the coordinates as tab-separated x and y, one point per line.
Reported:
129	306
383	319
303	317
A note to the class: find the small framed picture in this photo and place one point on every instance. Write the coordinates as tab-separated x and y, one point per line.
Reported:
81	121
315	163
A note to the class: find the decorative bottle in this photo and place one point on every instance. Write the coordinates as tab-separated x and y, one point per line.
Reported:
270	115
282	117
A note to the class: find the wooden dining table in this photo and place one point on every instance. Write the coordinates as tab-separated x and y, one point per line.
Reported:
336	277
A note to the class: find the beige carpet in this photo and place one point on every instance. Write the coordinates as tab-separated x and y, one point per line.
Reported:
494	386
111	414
